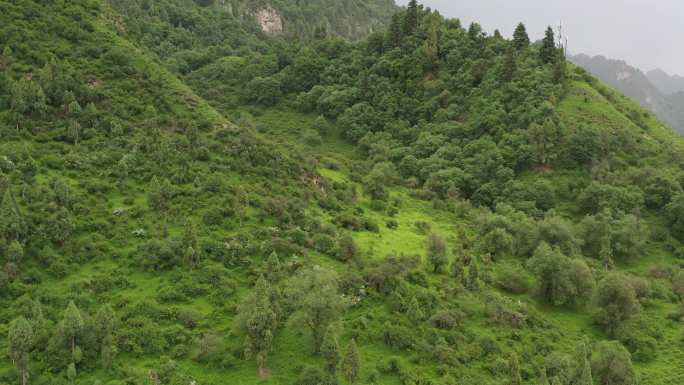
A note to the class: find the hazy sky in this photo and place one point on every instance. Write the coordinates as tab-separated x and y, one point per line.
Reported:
645	33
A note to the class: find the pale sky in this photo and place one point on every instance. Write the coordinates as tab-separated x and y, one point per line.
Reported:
645	33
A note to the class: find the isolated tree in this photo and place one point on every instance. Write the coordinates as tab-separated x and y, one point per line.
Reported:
330	350
437	252
411	18
616	303
611	364
520	38
547	52
20	343
159	195
348	249
72	324
351	363
312	292
562	280
258	321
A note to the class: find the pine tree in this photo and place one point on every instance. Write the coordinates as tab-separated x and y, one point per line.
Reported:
273	268
520	38
189	237
547	52
411	18
395	31
20	342
330	350
510	65
258	322
72	324
351	363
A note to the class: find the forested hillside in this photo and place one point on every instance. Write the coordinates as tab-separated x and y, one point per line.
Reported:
188	200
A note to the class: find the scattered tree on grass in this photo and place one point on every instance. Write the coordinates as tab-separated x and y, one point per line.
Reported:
258	321
611	364
330	351
312	292
616	303
437	252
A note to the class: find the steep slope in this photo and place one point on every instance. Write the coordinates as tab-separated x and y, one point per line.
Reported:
638	86
466	209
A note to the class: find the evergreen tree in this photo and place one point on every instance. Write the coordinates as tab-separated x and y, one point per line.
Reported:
105	321
351	363
12	225
72	324
189	237
520	38
396	34
411	18
510	65
258	321
547	52
330	351
273	268
20	342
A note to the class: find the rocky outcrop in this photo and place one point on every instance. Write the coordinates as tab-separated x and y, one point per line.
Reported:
270	20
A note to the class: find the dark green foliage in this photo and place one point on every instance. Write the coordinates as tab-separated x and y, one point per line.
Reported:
615	303
562	280
520	38
612	364
258	322
548	53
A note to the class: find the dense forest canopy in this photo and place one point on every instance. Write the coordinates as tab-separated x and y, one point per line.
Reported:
372	196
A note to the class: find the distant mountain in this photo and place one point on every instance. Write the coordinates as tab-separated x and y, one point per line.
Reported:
656	91
666	83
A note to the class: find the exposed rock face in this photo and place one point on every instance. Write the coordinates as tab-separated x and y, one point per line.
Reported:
270	20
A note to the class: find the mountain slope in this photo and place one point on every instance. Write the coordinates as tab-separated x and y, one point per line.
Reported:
637	86
464	208
667	84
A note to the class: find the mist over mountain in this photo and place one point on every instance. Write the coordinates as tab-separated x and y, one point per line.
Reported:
666	83
655	90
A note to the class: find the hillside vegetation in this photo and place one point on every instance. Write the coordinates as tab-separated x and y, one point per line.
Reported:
187	200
